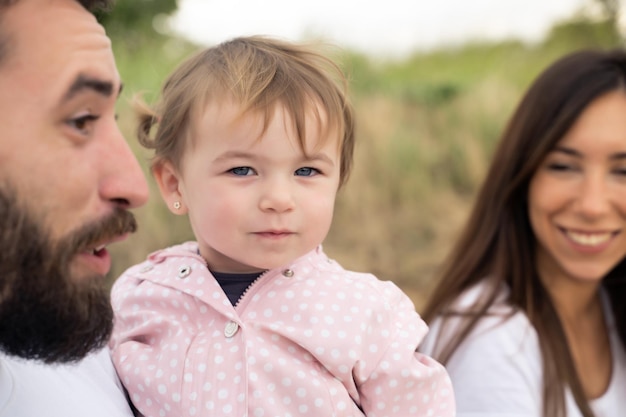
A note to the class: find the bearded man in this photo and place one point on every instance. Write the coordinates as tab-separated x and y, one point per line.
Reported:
67	181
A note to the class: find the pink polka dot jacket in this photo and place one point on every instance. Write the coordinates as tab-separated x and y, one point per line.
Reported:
308	339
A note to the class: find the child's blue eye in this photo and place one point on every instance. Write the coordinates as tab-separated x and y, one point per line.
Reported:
306	172
242	171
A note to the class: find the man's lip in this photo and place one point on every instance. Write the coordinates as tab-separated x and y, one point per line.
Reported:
97	247
98	262
98	257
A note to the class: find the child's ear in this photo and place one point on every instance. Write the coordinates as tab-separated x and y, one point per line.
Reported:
167	178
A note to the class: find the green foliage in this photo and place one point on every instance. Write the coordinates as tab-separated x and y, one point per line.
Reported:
584	34
144	68
133	18
363	75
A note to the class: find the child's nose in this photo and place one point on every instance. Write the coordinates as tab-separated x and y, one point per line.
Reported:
277	196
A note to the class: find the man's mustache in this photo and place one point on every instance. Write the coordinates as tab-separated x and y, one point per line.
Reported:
105	230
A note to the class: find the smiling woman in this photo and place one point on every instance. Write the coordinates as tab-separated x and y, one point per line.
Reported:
528	314
577	200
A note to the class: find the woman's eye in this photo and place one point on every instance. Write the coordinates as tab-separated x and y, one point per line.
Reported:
306	172
241	171
620	171
82	123
555	166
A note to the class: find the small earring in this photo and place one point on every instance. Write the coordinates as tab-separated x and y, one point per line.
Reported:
177	205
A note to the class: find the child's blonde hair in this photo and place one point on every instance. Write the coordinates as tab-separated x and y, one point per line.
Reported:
258	73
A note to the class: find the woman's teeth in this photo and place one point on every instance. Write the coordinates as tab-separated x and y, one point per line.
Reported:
588	239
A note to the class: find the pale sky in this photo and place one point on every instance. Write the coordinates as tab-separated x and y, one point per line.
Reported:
389	28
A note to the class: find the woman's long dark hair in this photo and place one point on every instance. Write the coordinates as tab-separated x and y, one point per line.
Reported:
498	244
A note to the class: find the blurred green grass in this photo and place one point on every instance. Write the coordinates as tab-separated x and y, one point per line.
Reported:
426	128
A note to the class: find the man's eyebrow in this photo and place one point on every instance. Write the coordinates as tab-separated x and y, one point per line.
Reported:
85	83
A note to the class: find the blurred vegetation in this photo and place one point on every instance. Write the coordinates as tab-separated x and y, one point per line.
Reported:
427	125
137	18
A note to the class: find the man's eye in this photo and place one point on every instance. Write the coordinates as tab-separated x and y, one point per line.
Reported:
82	123
242	171
306	172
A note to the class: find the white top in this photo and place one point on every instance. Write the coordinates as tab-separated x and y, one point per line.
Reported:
88	388
497	370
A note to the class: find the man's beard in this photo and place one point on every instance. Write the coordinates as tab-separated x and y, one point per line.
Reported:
45	314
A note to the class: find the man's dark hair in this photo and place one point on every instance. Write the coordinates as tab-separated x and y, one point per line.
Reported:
94	5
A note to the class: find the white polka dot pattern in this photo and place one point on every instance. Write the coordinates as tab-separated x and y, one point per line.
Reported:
320	341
